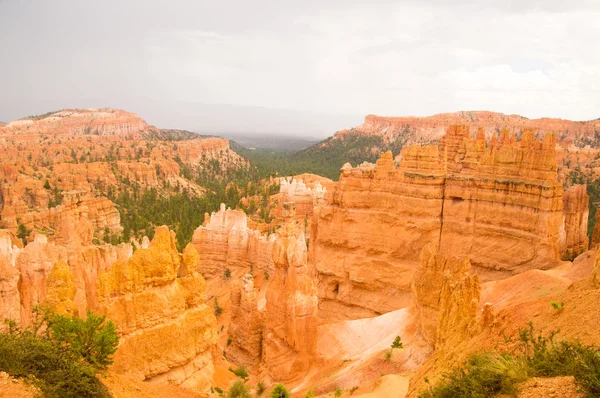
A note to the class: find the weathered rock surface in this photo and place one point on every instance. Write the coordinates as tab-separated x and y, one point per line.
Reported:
574	231
225	241
156	298
290	337
246	325
446	297
499	203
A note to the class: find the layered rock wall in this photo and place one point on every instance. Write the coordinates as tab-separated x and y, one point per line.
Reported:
497	202
574	238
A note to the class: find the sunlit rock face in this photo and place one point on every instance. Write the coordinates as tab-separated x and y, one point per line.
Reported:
226	242
498	202
574	238
291	318
247	323
156	298
446	297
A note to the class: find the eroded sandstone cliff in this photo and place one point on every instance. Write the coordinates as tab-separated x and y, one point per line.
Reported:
497	202
156	299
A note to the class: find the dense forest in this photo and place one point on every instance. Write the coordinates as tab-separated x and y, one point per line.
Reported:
325	158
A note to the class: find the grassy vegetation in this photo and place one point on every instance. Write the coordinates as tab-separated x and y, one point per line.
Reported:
60	355
488	374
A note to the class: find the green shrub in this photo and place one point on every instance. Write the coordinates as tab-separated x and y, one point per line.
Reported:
240	371
218	308
227	274
558	306
63	361
338	393
280	392
310	394
397	343
238	390
388	355
260	388
488	374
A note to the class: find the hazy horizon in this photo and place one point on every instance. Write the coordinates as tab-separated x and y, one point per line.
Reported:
306	69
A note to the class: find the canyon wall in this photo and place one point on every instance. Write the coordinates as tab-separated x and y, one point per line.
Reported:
291	319
497	202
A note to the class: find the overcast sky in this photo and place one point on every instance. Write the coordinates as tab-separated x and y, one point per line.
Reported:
299	66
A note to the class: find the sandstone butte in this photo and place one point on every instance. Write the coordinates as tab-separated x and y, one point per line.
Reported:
498	202
452	249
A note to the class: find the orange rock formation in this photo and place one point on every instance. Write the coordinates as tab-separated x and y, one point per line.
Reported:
156	299
290	337
499	203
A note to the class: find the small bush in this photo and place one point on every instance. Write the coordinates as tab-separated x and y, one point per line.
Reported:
388	355
310	394
280	392
240	371
397	343
489	374
218	308
238	390
227	274
63	361
260	388
266	274
558	306
338	393
228	341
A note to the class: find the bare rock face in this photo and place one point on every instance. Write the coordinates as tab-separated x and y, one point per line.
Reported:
574	232
497	202
446	297
156	298
9	293
290	337
304	197
60	290
246	325
225	241
35	264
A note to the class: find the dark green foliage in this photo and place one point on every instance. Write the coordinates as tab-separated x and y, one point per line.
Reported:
62	362
557	305
310	394
47	185
240	372
227	274
93	339
488	374
338	393
325	158
397	343
260	388
280	392
238	390
218	308
23	233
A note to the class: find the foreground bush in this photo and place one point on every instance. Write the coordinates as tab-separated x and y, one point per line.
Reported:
489	374
280	392
60	355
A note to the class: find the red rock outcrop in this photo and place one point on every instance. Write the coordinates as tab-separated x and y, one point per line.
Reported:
246	325
290	336
446	297
499	203
9	292
574	231
156	299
